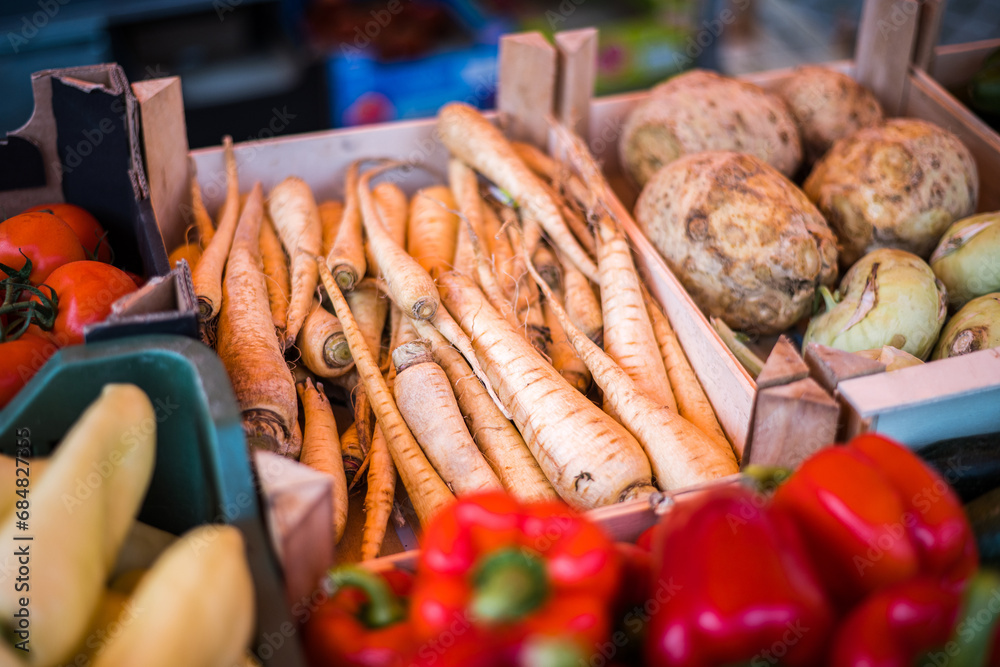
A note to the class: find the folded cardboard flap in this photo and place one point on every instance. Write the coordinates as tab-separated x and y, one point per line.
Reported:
85	133
164	305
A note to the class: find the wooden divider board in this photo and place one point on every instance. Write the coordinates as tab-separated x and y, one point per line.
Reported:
526	86
165	149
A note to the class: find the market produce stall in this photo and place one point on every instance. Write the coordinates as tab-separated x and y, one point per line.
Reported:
476	349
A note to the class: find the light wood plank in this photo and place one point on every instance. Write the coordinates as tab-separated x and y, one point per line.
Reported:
928	32
791	422
947	398
299	510
783	366
577	75
886	38
830	366
927	99
953	64
165	150
526	86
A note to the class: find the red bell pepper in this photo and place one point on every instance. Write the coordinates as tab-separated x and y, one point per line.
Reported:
873	514
923	621
363	624
744	589
495	574
896	625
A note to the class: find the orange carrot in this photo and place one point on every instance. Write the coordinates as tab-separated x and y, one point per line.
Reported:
189	252
346	259
564	357
202	220
247	344
553	418
322	343
432	229
207	273
412	288
321	449
351	453
331	213
378	498
275	265
583	307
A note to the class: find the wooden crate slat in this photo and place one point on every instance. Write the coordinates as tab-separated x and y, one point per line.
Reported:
927	99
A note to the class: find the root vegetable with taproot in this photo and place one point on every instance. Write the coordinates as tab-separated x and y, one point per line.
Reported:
247	343
590	459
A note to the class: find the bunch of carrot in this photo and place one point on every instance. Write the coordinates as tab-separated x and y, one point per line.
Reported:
490	332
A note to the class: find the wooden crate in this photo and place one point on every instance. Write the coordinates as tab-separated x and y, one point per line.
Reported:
949	397
322	158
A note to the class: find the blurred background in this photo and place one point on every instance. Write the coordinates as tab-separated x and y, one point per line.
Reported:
259	68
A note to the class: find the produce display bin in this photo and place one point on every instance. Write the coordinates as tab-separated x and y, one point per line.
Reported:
82	145
202	473
922	98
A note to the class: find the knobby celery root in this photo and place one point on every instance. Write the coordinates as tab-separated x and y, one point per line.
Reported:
680	454
295	216
275	265
322	343
321	449
432	229
412	288
628	332
346	259
427	403
426	490
497	438
248	345
378	497
590	459
692	403
479	144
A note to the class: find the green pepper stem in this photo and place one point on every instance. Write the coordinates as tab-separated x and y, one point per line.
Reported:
383	607
551	652
979	595
509	584
766	478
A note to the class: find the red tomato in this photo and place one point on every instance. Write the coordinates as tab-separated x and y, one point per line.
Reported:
44	238
19	360
84	225
86	291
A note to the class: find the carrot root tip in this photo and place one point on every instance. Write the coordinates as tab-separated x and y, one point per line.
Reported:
424	309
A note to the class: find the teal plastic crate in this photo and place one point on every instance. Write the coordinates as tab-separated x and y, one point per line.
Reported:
203	472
